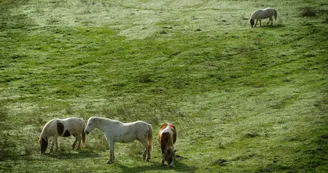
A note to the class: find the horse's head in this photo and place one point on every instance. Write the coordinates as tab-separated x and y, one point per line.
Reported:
91	124
170	155
43	144
251	21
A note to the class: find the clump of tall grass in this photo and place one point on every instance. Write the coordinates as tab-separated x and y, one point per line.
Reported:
308	12
6	144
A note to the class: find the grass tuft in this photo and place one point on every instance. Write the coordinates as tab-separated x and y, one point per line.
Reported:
308	12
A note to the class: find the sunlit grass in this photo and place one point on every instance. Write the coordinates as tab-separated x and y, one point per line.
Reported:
242	99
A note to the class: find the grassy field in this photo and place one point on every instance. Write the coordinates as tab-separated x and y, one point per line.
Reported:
243	99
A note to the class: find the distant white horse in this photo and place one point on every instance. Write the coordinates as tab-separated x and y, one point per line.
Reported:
62	127
263	14
116	131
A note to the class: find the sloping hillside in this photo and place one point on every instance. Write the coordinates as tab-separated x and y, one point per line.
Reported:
243	99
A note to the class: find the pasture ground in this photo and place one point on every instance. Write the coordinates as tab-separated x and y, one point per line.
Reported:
242	99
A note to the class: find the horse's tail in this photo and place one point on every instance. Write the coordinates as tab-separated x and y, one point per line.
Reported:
275	14
83	137
150	138
83	134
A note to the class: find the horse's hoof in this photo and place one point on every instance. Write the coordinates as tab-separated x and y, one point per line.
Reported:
109	161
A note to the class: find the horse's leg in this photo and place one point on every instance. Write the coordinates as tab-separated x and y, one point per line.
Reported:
256	20
163	156
172	163
260	22
111	152
74	143
146	151
270	20
77	139
79	142
57	144
54	140
163	149
52	145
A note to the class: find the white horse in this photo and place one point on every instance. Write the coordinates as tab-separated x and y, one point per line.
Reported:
263	14
62	127
116	131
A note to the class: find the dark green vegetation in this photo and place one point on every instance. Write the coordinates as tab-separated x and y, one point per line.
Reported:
243	100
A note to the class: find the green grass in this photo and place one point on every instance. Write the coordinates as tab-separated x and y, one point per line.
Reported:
242	99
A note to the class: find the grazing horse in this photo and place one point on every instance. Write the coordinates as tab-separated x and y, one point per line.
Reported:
167	136
62	127
263	14
116	131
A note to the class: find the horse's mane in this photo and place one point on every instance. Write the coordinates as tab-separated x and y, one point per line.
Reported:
101	118
107	119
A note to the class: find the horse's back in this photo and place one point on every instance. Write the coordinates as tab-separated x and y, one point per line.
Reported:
73	124
140	124
263	13
142	127
73	119
167	129
127	132
270	11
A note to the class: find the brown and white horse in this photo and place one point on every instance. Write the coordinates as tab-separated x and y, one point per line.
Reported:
62	127
167	136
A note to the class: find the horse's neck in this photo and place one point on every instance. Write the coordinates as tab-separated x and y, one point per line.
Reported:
103	125
254	15
43	134
49	129
167	129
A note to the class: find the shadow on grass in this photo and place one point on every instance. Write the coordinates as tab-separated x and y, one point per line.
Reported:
179	167
72	155
273	26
